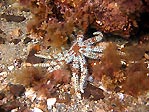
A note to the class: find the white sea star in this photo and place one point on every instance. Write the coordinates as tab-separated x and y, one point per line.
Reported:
76	55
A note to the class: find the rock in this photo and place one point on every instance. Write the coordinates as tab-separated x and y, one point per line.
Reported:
12	18
2	95
93	93
16	90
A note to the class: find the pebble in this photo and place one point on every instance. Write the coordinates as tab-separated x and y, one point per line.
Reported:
37	110
51	102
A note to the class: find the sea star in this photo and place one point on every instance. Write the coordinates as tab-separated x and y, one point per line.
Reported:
76	55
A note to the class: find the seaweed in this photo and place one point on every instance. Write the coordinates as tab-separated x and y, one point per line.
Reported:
136	79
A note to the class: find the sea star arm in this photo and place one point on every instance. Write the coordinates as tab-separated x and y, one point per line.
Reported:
90	54
94	40
97	49
75	72
52	65
84	73
69	55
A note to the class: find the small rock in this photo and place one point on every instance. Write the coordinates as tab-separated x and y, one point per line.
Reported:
51	102
2	95
10	68
65	99
13	18
93	93
30	93
2	110
10	105
27	40
16	90
2	40
31	58
146	56
37	110
15	32
15	41
1	31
